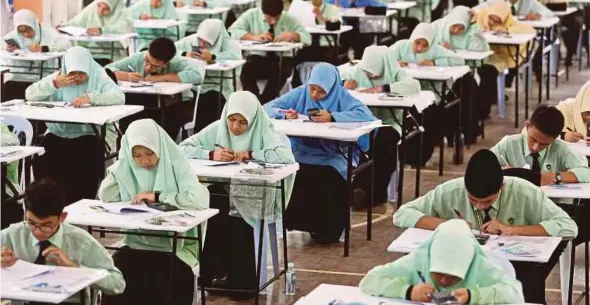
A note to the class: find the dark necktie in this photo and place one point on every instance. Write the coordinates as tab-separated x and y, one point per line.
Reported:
513	10
40	260
536	165
487	217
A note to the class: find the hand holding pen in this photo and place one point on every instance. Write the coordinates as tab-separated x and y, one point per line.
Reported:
422	292
290	114
223	154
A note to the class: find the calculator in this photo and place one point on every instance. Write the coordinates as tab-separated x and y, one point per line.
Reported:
482	239
444	297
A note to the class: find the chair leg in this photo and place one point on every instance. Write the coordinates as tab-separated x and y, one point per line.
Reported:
272	233
586	273
565	262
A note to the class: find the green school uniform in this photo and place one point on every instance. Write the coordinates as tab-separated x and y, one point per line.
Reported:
172	176
376	61
451	250
117	22
193	21
101	90
471	39
514	151
76	243
187	70
525	7
519	203
402	51
222	46
252	21
44	36
260	138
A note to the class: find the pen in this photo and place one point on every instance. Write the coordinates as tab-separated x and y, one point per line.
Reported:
422	280
189	215
218	146
131	68
286	111
458	214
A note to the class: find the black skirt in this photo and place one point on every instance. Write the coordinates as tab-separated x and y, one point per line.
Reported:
209	109
147	277
76	164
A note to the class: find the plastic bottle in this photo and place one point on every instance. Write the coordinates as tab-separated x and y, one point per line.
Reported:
290	280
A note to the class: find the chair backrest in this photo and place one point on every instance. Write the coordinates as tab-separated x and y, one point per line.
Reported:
20	126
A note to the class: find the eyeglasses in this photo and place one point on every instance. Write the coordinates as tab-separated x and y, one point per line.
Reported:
28	30
42	228
148	61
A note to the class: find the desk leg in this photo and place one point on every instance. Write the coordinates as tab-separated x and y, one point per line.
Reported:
517	87
285	254
113	51
458	155
419	167
540	97
402	160
200	248
526	89
219	96
171	274
3	179
349	204
259	259
548	63
103	145
370	207
27	167
280	72
163	111
441	155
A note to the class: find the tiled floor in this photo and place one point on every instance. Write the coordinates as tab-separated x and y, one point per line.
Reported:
317	264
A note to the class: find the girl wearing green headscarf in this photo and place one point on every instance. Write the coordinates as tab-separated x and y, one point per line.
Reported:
31	36
244	132
214	45
451	260
104	17
459	31
72	151
154	9
151	169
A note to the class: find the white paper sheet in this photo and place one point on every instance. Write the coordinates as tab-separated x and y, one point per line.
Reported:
73	30
23	270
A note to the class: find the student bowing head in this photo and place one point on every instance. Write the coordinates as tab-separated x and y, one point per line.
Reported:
272	10
458	20
324	83
422	37
209	33
483	179
582	109
498	12
79	76
44	204
544	126
160	52
374	62
27	26
104	7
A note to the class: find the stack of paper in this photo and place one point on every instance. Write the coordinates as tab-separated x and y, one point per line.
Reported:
75	31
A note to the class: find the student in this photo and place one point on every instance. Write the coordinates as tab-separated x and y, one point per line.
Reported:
214	45
268	23
73	157
494	204
496	17
529	9
104	17
159	64
13	211
244	132
43	238
320	208
377	73
451	260
576	113
538	149
154	9
30	36
322	48
151	169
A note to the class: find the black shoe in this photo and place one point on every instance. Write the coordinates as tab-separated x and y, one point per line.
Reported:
358	199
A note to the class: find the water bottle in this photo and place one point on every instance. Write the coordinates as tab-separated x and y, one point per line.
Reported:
290	280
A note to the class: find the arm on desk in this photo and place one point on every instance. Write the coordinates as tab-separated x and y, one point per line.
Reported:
391	280
57	44
446	58
576	165
191	194
109	94
555	221
274	151
199	146
404	83
285	102
184	71
355	112
421	212
477	42
541	9
97	257
230	50
296	27
120	26
42	90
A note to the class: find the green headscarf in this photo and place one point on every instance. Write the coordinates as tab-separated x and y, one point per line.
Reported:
90	17
28	18
260	134
376	62
458	15
171	168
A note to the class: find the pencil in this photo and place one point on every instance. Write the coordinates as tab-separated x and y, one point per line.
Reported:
458	214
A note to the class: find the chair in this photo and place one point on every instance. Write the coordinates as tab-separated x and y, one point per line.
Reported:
20	126
190	126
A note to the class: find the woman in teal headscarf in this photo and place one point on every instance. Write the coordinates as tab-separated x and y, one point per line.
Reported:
152	169
459	31
320	160
73	157
244	132
154	9
214	45
31	36
104	17
376	73
451	260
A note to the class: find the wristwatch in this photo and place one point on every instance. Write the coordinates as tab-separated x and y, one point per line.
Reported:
558	178
157	196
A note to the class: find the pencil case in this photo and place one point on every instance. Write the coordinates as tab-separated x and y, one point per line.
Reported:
375	10
333	25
